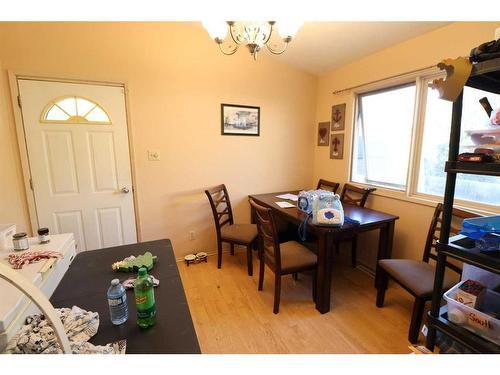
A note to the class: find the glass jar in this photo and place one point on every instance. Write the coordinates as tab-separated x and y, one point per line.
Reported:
43	235
20	241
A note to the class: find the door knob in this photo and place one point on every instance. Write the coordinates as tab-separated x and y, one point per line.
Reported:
125	190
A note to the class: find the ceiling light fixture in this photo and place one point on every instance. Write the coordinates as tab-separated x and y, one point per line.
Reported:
253	34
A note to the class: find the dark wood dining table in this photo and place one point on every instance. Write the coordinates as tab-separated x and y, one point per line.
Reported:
327	235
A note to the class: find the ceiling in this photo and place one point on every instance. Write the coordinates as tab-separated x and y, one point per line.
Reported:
319	47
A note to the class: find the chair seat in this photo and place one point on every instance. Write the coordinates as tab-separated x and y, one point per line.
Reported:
239	233
415	275
295	256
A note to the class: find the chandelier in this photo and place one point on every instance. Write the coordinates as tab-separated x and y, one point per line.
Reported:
253	34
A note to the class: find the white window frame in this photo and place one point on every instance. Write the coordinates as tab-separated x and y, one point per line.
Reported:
410	193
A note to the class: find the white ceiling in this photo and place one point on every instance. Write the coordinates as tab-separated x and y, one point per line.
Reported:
319	47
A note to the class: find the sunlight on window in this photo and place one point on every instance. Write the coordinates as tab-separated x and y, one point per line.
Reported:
75	110
383	137
434	154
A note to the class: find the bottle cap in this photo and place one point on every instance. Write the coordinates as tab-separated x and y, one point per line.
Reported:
115	282
143	271
43	231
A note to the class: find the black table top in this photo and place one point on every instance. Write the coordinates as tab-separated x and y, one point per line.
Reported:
87	280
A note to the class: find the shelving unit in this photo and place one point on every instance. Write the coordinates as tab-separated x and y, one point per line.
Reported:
484	76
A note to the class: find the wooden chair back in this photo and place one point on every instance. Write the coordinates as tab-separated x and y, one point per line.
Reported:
355	195
268	233
328	185
430	250
221	206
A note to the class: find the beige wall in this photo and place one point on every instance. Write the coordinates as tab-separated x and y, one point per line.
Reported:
176	79
451	41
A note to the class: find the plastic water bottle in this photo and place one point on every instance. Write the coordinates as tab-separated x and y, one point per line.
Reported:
144	299
117	301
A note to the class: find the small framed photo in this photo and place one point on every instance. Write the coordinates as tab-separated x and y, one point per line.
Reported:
324	133
337	146
240	120
338	117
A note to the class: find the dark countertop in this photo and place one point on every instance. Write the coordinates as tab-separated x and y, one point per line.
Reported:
87	280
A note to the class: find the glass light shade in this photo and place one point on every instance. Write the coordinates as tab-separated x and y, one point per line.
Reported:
288	28
216	29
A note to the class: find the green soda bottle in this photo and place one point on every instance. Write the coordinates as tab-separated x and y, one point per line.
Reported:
144	299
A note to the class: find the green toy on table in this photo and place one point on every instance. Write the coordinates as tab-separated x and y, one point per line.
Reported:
133	263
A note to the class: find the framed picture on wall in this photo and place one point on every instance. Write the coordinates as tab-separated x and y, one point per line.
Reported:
338	117
337	146
324	133
240	120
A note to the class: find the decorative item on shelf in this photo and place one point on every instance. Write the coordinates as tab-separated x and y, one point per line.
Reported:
475	157
240	120
324	133
252	34
133	263
457	72
338	117
196	258
337	146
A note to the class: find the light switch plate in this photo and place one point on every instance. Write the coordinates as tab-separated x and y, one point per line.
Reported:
153	155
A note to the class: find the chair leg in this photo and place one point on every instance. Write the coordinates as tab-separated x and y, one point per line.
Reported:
295	276
277	293
232	249
261	271
354	248
219	254
381	288
416	320
314	284
249	260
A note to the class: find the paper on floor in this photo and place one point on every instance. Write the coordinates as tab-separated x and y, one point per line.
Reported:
285	204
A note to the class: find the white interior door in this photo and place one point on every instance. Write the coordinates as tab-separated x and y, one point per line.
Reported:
78	151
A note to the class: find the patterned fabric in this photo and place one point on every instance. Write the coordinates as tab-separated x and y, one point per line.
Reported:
38	337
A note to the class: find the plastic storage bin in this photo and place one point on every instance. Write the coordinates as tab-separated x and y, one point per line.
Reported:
475	321
477	227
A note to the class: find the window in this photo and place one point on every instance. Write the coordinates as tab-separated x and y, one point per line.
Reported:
383	136
401	138
75	110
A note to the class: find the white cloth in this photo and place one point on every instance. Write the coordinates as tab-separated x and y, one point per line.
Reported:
37	335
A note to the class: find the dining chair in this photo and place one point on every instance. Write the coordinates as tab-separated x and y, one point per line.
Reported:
352	194
283	259
328	185
226	230
417	276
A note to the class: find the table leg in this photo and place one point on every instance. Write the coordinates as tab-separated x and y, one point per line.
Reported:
324	277
385	241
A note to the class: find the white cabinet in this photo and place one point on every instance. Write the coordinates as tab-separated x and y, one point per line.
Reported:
46	274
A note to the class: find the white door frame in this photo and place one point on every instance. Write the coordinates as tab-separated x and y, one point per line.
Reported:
23	149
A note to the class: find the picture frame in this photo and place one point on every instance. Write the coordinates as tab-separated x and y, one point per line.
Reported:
337	146
324	133
338	117
239	119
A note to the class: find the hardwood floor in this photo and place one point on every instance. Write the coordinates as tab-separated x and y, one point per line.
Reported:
231	316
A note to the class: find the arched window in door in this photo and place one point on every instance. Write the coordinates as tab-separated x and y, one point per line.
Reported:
75	110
